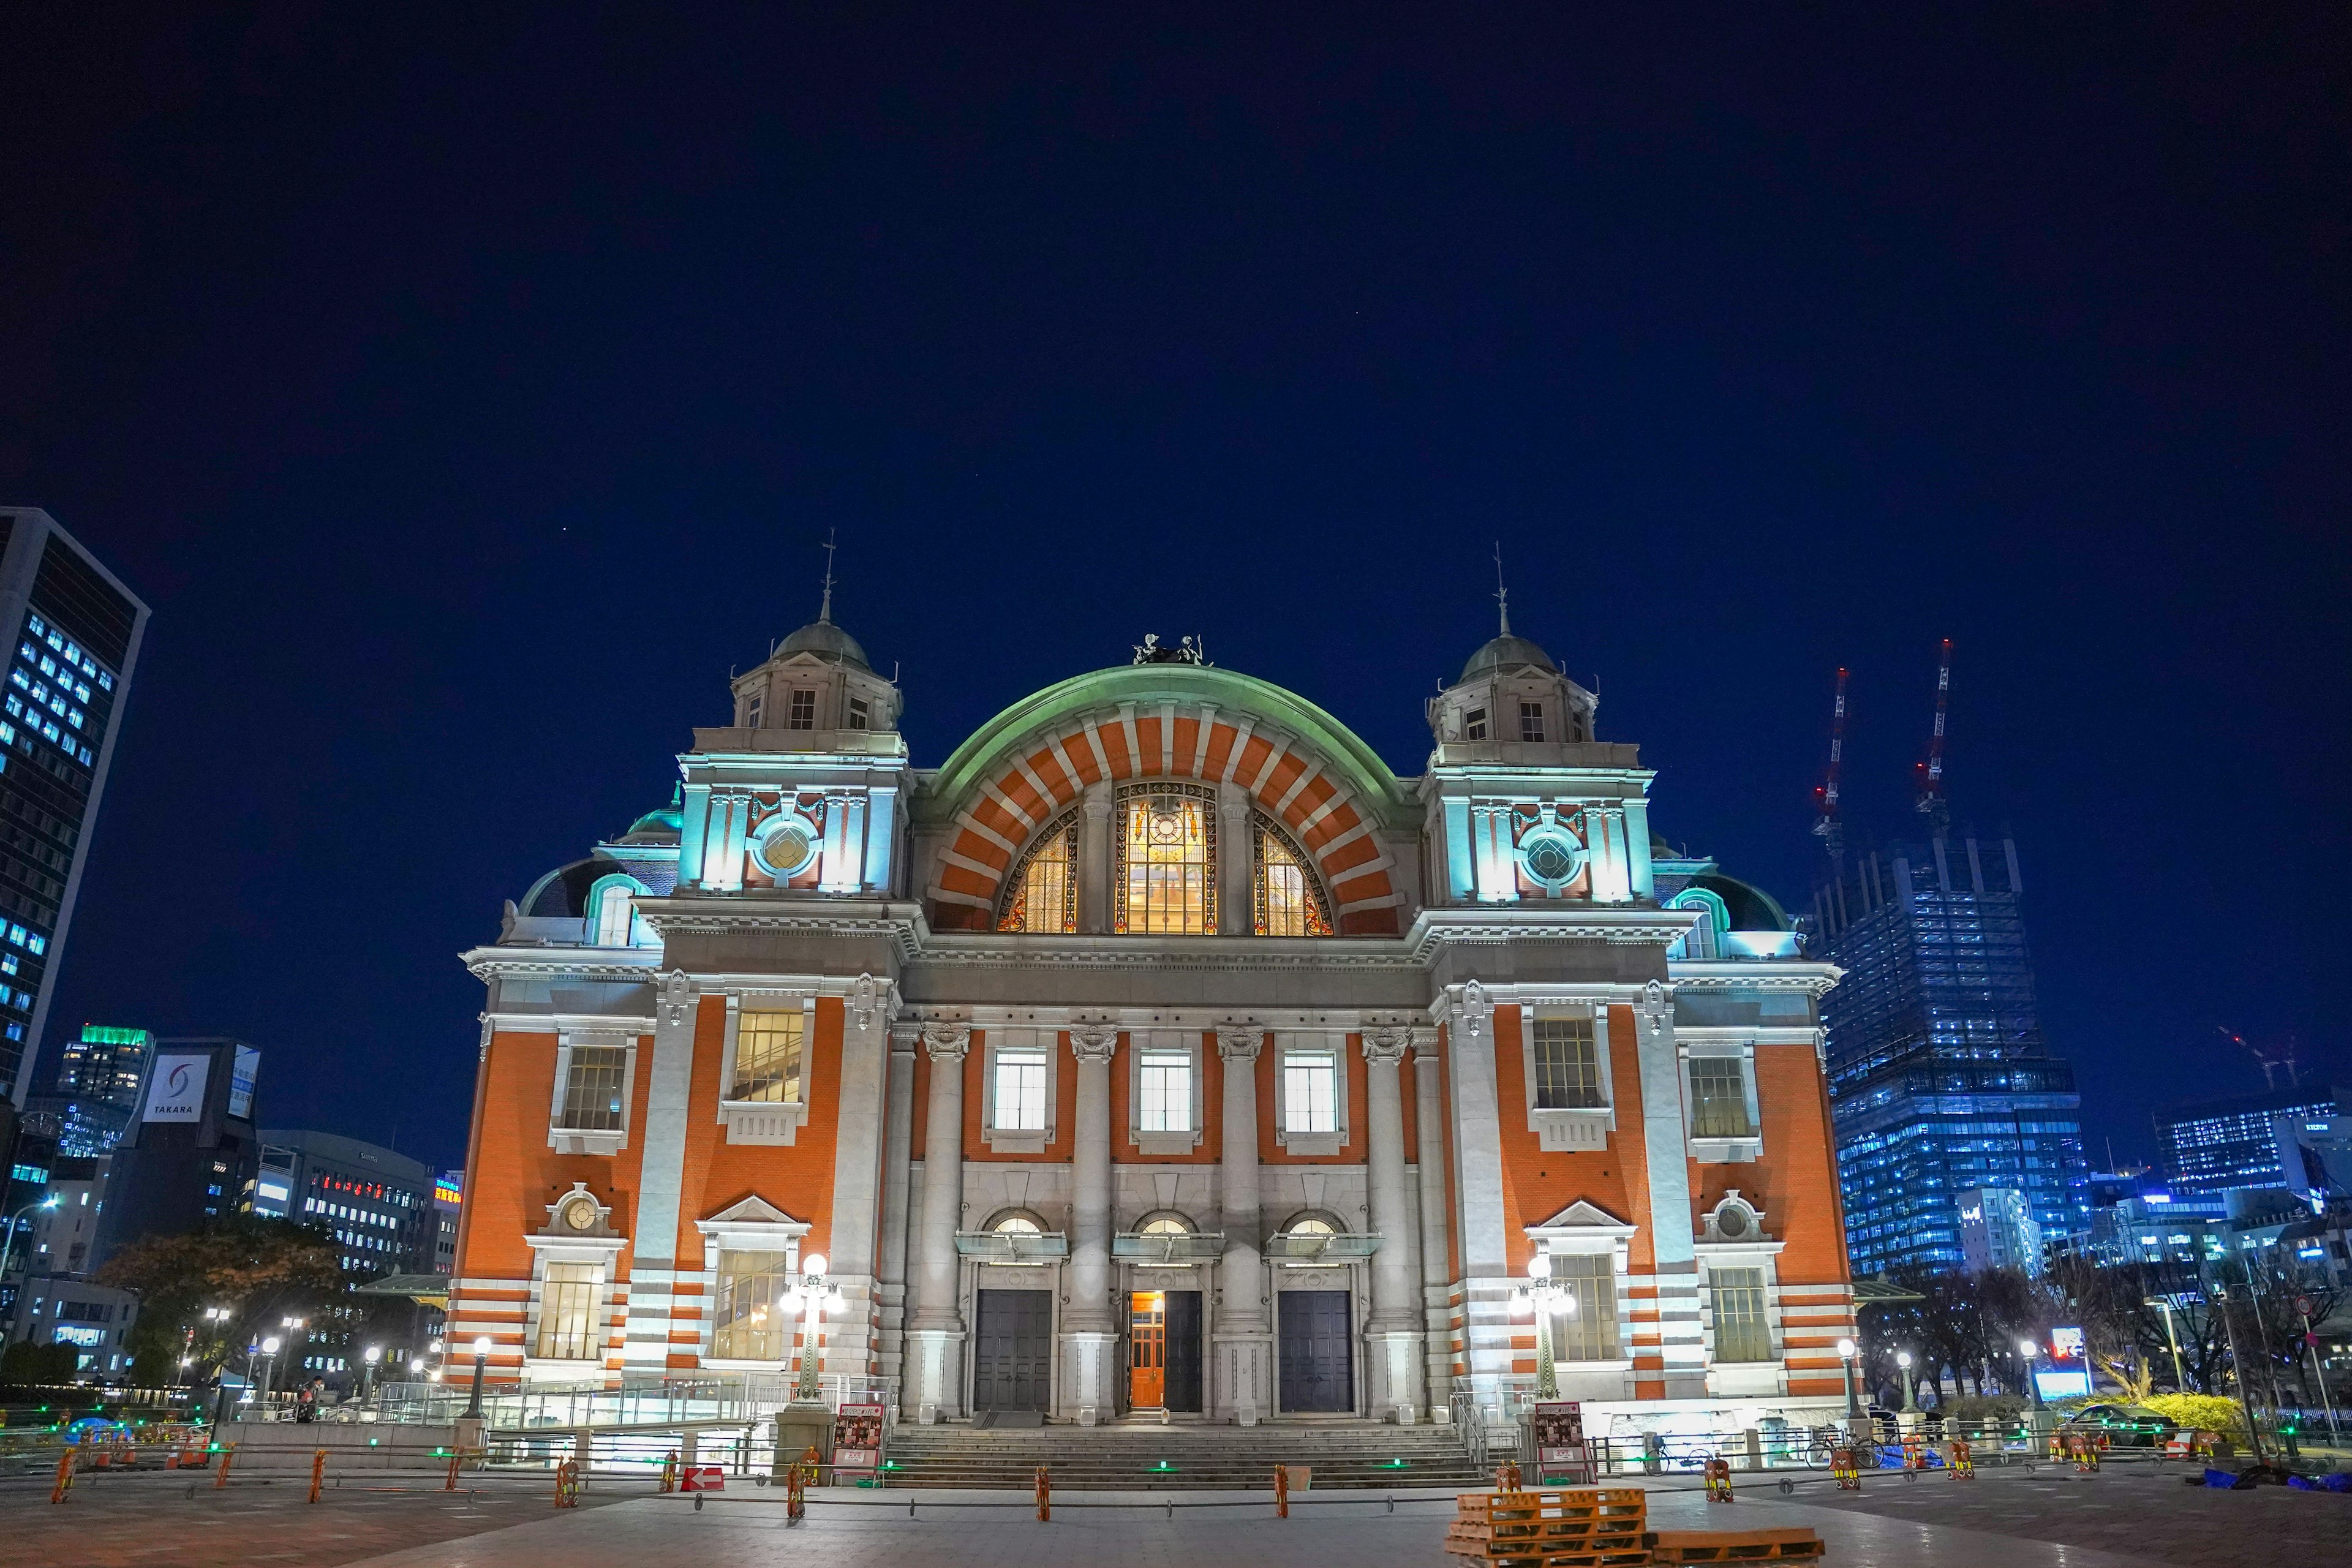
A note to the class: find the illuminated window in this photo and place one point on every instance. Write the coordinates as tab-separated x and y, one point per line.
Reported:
1531	722
613	912
1567	1065
768	1057
1166	1224
1167	1091
802	715
1474	724
1021	1088
567	1312
750	1319
1719	1098
1045	886
1310	1091
1287	901
1165	883
1019	1225
1741	1332
1584	1326
591	1095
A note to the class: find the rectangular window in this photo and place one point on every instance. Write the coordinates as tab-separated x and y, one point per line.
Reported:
1741	1332
1167	1091
768	1057
1567	1065
567	1313
1531	722
860	716
1585	1322
1310	1091
591	1095
749	1319
1021	1088
803	715
1474	724
1719	1098
752	710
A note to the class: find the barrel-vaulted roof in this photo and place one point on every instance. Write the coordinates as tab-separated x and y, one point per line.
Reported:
1033	760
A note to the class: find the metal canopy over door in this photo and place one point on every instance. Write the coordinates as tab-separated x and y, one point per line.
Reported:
1184	1351
1146	1349
1013	1350
1314	1351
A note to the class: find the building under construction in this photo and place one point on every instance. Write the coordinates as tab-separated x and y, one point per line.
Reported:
1940	1081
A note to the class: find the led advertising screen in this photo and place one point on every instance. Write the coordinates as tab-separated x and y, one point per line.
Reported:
2063	1385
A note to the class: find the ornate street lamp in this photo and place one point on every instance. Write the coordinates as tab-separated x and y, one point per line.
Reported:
2029	1350
812	1297
1545	1297
367	1371
1846	1349
1903	1360
481	1359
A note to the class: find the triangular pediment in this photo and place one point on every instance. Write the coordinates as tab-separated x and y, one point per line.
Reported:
1582	1213
752	1210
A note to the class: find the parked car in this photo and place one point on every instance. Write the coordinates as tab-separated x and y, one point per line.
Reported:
2126	1425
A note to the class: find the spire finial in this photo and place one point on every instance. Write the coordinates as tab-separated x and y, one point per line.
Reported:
825	610
1502	594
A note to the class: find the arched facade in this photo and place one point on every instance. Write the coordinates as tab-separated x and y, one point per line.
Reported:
1165	1041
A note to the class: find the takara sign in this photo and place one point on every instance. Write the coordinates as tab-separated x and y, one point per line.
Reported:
175	1091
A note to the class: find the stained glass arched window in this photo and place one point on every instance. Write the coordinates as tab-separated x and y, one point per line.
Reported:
1289	901
1165	881
1043	888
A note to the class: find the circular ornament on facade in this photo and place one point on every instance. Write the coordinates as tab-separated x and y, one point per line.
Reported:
580	1213
1550	856
1167	825
784	848
1732	1220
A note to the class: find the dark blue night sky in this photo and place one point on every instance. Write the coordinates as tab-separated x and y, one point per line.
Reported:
469	390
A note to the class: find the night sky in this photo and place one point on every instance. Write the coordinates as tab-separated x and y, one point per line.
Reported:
468	392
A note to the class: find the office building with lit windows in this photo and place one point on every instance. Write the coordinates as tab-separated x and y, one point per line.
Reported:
377	1205
99	1077
1940	1078
1160	1051
2213	1145
190	1155
74	632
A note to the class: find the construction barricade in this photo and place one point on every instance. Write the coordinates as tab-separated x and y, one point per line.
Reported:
567	1484
1578	1527
1718	1479
1961	1459
1845	1467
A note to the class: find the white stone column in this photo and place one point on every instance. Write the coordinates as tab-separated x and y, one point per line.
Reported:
935	1334
1436	1270
898	1170
1089	1330
653	1268
1392	1333
854	1233
1241	1377
1236	914
1669	1169
1094	861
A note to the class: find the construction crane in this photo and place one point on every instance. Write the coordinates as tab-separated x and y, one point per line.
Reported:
1826	827
2272	1058
1930	774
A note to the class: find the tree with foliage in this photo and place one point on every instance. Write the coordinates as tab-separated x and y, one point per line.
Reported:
27	1366
260	1269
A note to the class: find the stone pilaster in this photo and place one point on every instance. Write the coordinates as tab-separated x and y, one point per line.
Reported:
653	1268
1437	1269
1665	1143
1242	1366
1468	1014
935	1334
898	1169
854	1232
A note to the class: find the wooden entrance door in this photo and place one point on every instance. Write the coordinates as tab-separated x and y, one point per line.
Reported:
1013	1350
1146	1349
1313	1350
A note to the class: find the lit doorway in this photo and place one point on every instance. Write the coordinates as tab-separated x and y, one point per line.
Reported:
1146	1350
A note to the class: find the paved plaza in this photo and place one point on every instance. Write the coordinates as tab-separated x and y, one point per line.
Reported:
2123	1515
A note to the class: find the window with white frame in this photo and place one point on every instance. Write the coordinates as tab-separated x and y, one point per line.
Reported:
593	1090
614	914
1531	726
1742	1332
768	1048
568	1327
1567	1065
749	1321
1310	1090
801	714
1584	1317
1019	1089
1166	1090
1718	1088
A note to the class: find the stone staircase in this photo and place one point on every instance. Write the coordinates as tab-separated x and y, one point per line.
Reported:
1138	1456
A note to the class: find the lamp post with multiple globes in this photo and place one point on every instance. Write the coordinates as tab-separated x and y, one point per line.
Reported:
1545	1297
813	1295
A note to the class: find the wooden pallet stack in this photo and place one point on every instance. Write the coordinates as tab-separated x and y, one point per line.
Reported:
1677	1547
1578	1526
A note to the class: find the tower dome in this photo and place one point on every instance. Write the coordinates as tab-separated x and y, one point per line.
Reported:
825	639
1507	652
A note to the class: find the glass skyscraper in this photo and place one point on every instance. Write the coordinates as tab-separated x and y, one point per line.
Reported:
98	1082
2216	1144
1940	1081
73	633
